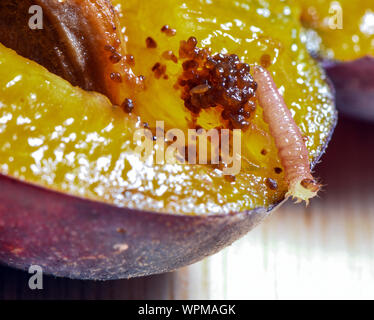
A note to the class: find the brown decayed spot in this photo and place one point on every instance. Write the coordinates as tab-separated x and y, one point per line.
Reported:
230	178
115	57
110	48
265	61
127	105
169	55
159	70
116	77
208	81
271	184
130	60
150	43
278	170
168	31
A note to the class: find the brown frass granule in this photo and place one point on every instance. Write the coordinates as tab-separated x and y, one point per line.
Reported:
208	81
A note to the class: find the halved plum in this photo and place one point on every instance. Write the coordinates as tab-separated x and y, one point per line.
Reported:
75	196
347	51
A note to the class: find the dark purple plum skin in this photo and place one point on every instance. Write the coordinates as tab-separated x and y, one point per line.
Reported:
354	86
82	239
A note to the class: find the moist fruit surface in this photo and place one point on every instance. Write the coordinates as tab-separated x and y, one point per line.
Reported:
70	140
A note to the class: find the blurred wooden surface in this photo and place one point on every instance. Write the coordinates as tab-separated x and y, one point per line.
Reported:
323	251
